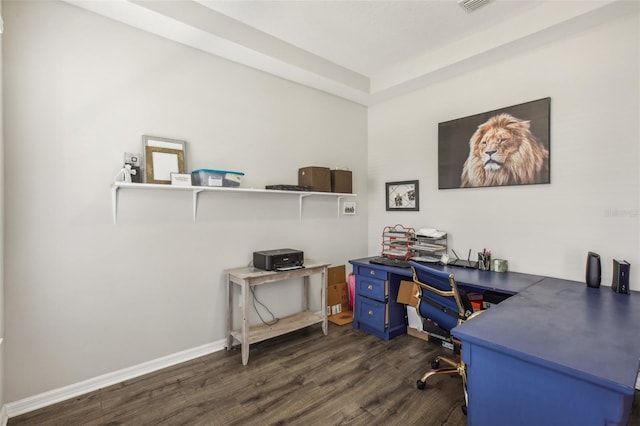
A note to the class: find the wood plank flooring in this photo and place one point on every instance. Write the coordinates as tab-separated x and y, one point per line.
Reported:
303	378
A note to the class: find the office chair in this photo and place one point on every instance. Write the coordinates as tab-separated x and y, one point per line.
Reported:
443	303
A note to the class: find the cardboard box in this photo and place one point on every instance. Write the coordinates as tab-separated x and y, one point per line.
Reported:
318	178
338	296
341	181
337	275
408	293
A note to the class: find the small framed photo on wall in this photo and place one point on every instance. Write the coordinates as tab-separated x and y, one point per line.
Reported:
403	196
349	208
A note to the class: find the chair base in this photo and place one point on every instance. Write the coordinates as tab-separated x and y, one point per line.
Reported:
454	367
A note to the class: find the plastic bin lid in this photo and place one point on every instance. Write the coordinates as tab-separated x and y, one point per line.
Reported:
217	171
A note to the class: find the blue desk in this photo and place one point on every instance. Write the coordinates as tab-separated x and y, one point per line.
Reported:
376	312
505	282
558	353
555	353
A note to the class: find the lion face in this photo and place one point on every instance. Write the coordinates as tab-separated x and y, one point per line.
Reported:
503	151
495	148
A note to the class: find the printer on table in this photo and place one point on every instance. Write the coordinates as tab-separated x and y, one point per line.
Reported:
279	259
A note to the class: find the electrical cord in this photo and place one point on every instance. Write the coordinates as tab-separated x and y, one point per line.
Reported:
255	299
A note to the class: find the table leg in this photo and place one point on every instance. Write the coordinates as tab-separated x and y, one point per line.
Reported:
323	300
229	312
245	322
305	294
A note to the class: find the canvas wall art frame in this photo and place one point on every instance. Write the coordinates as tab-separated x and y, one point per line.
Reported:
504	147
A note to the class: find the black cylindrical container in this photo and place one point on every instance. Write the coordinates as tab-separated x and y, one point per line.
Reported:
594	270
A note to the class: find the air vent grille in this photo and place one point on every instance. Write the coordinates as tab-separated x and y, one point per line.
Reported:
471	5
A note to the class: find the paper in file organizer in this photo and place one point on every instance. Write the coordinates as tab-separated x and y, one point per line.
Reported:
430	232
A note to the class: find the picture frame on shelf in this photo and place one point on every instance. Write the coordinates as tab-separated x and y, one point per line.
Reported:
133	160
181	179
163	156
402	196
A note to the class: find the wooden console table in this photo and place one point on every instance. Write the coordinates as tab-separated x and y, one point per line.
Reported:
249	277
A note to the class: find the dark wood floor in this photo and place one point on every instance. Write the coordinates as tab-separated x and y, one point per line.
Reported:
303	378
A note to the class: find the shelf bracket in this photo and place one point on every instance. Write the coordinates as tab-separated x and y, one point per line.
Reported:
195	203
301	197
114	203
339	199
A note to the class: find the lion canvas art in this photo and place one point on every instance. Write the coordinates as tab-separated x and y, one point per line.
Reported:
503	151
503	147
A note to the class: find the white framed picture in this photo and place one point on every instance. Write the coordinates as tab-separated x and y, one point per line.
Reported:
349	208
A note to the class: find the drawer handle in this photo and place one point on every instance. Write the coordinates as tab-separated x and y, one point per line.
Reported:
370	312
372	272
370	287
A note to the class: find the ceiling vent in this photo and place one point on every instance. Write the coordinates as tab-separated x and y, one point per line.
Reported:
471	5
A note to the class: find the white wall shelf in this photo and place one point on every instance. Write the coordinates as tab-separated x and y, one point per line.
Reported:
196	190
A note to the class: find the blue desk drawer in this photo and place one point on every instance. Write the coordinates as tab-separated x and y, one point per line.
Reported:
365	271
372	288
372	313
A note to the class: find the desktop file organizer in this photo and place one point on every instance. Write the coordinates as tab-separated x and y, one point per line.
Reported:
397	241
429	248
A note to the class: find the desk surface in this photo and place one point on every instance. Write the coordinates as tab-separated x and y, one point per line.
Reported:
255	274
503	282
564	325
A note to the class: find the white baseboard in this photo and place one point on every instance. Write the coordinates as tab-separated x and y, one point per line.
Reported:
61	394
3	416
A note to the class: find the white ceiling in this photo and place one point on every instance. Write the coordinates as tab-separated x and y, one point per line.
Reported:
364	50
368	36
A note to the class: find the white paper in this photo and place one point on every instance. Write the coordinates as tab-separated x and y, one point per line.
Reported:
163	165
414	319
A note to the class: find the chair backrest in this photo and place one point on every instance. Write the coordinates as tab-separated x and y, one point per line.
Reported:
440	299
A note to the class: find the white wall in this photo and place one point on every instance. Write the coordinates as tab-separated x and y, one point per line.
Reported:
2	400
592	202
85	297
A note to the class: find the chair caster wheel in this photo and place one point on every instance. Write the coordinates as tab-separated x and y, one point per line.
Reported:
464	409
420	384
435	364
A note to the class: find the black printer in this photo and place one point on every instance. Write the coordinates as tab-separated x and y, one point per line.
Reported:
279	259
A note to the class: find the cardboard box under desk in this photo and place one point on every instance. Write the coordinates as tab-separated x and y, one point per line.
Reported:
318	178
408	293
338	296
341	181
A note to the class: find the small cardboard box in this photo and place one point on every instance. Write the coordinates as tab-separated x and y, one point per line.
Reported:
338	296
408	293
341	181
318	178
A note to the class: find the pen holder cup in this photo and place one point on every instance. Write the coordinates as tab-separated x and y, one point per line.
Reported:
499	265
484	261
